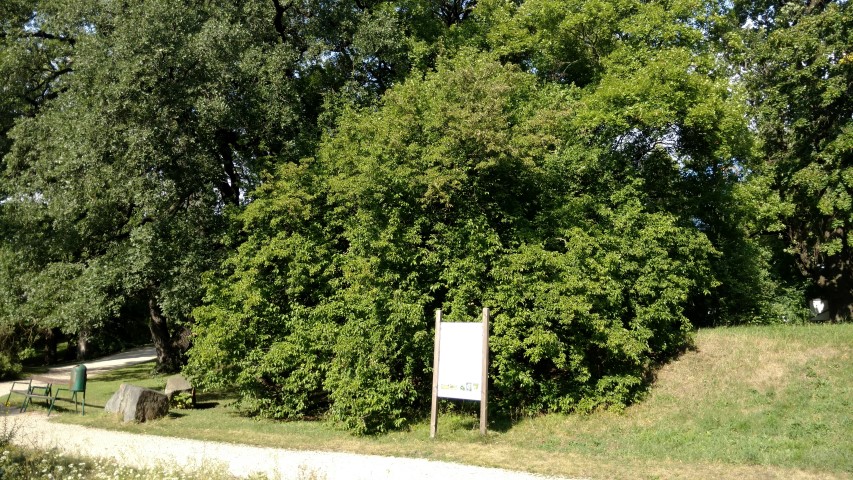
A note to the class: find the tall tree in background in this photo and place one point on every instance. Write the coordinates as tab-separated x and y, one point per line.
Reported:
799	71
660	100
35	65
163	117
115	186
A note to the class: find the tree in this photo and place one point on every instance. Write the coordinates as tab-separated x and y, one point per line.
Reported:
588	176
798	69
34	64
660	99
118	191
117	187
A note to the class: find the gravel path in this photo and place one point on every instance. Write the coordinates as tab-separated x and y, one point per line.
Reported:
35	430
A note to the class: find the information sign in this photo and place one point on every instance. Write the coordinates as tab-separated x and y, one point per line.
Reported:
460	361
460	365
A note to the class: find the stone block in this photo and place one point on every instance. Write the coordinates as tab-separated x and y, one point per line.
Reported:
179	384
138	404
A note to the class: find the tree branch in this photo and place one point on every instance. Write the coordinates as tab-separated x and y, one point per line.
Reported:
278	20
49	36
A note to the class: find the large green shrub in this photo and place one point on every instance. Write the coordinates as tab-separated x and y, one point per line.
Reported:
580	326
460	190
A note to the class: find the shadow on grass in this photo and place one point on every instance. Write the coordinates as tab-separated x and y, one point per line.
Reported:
208	400
501	424
464	415
100	408
496	423
9	409
27	371
651	375
67	406
142	371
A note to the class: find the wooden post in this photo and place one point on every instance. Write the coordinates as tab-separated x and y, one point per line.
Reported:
484	385
433	416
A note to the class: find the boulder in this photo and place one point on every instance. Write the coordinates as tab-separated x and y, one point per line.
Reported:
179	384
137	403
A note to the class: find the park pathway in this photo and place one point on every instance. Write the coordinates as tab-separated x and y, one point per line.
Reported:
149	451
35	430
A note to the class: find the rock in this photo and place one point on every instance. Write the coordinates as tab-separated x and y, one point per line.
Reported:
179	384
137	403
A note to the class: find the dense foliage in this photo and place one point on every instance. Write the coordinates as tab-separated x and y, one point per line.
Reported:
800	85
468	187
149	123
294	187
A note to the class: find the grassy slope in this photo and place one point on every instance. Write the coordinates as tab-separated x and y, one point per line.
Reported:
757	402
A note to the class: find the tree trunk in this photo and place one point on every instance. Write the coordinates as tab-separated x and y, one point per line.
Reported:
830	273
840	309
82	344
167	359
840	299
50	341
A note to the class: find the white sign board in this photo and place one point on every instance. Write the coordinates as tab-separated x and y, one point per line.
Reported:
460	361
459	366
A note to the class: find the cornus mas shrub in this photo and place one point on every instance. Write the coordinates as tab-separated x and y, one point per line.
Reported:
453	193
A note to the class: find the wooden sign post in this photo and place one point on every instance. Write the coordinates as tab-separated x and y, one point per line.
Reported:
460	365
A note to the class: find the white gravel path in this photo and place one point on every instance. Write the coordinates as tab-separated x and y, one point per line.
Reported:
35	430
240	460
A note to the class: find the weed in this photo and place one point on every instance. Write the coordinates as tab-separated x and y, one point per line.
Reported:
182	401
8	429
26	464
306	473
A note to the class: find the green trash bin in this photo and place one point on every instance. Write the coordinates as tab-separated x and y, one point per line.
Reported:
78	378
77	385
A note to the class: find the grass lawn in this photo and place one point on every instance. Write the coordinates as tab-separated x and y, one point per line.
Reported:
748	402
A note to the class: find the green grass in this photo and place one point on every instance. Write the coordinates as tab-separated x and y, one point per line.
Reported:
749	402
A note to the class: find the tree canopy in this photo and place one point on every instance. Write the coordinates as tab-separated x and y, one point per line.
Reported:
284	191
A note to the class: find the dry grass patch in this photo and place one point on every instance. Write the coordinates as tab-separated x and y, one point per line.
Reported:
727	359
